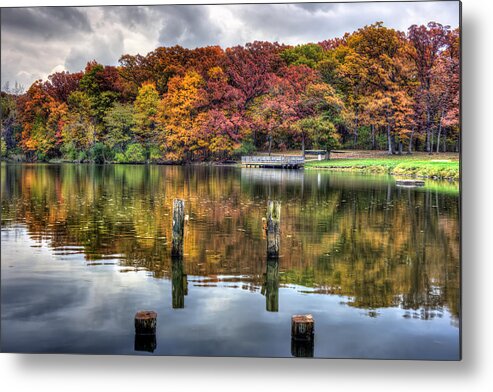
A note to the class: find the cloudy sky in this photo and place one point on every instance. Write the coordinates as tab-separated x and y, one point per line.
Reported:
38	41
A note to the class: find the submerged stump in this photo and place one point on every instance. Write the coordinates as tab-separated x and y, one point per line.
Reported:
145	322
178	227
302	327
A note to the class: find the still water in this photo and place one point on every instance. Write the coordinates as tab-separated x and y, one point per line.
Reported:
84	247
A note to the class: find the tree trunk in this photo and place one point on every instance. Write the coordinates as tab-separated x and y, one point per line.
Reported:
373	146
445	140
400	147
428	132
439	130
410	150
270	143
355	140
389	141
303	144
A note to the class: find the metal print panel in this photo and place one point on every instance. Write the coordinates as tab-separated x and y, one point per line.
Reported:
263	180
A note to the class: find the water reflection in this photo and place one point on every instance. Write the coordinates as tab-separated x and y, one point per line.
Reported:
271	287
375	245
179	283
145	343
302	348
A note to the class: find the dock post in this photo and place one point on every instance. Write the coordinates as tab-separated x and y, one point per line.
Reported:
145	331
145	322
302	327
178	278
178	227
302	335
273	228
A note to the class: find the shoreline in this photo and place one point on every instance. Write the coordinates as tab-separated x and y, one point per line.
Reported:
408	166
448	170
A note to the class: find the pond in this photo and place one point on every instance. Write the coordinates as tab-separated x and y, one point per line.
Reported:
84	247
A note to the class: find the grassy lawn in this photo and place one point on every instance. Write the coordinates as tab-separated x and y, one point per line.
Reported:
434	166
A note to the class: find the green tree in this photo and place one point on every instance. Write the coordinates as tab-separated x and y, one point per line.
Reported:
308	54
80	128
119	122
320	131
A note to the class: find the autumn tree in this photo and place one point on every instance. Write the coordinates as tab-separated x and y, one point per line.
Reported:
427	43
146	112
178	117
80	131
250	67
35	110
10	126
222	121
61	84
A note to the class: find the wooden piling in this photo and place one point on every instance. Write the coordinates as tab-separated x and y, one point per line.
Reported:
145	322
178	227
302	327
273	228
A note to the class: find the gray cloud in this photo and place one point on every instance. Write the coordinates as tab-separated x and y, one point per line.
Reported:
37	41
104	49
45	22
189	26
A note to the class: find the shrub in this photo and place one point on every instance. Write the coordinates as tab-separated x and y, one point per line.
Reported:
135	153
120	157
247	147
82	156
155	153
3	148
69	151
99	153
41	156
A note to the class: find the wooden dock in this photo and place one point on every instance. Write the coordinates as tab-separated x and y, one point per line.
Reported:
409	183
273	161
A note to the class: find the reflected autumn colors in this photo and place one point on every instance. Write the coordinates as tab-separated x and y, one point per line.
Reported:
361	238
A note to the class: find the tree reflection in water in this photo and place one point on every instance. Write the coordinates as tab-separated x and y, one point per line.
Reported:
355	236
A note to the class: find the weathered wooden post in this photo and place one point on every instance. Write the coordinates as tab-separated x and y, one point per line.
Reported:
145	322
178	227
302	335
272	286
302	327
273	228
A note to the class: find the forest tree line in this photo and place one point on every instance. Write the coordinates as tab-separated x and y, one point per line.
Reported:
376	88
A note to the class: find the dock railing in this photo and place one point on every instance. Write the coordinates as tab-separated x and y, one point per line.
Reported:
280	160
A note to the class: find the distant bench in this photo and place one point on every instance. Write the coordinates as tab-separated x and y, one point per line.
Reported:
321	154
